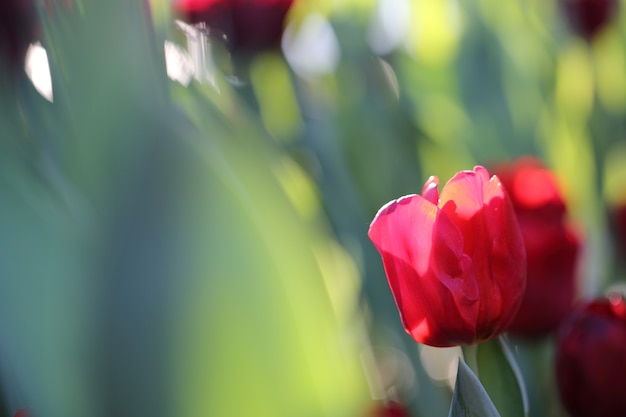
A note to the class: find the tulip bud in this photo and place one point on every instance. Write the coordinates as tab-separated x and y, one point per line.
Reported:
247	25
455	261
552	247
587	17
591	359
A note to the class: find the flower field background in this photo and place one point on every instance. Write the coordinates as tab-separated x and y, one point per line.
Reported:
186	191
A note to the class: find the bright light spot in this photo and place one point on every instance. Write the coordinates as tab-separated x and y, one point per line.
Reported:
535	188
390	25
178	63
38	70
199	53
441	363
312	48
435	30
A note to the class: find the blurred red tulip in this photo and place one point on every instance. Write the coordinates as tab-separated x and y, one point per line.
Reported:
247	25
22	412
587	17
617	221
390	409
19	27
591	359
455	262
17	31
551	246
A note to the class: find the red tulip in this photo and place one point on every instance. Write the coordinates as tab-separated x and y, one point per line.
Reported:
455	261
591	359
552	247
19	27
587	17
248	25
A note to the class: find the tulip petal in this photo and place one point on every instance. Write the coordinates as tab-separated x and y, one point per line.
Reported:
467	189
429	275
551	284
481	210
506	253
430	191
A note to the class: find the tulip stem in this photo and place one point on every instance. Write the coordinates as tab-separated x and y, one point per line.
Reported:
470	355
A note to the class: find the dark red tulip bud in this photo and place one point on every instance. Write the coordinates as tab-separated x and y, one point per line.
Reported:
17	31
552	247
587	17
591	359
247	25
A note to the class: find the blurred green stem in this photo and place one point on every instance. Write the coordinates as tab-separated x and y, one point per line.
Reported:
470	356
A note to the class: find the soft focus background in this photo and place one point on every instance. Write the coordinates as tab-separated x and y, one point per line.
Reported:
183	227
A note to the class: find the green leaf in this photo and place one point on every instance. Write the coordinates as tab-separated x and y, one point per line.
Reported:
470	398
501	377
